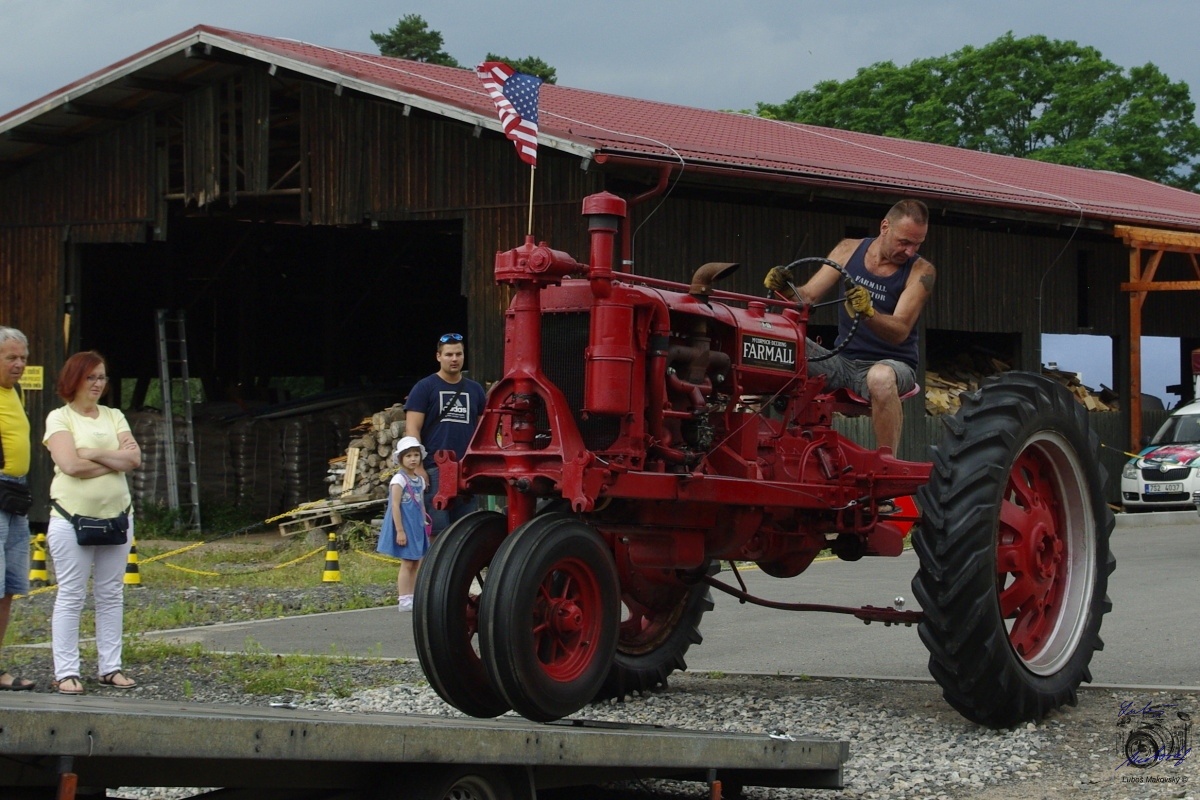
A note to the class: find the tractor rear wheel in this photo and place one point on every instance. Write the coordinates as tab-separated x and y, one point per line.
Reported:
654	637
1014	552
446	613
549	616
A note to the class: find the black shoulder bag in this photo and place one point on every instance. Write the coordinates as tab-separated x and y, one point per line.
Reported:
93	531
15	498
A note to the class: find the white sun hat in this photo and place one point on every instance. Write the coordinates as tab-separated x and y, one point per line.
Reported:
407	443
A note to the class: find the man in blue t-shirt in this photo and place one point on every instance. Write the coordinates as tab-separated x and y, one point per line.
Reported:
441	412
880	361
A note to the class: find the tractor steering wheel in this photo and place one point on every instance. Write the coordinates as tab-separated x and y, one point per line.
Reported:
848	281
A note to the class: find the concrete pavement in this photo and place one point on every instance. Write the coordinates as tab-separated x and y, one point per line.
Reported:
1152	635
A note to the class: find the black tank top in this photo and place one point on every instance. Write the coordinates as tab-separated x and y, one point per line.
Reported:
885	294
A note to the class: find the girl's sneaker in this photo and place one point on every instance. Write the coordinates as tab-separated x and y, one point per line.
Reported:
405	603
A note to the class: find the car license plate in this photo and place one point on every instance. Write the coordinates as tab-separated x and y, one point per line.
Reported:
1162	488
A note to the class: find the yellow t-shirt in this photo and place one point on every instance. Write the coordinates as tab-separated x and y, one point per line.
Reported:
14	433
105	495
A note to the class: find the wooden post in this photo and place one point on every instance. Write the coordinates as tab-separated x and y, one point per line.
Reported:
1135	351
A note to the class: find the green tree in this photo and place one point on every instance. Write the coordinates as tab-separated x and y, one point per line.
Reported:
1032	97
530	65
411	38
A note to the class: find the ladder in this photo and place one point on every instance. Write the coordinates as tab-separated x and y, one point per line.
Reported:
173	372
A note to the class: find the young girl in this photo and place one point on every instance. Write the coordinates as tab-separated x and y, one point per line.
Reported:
405	532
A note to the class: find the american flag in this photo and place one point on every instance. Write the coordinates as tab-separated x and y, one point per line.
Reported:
516	97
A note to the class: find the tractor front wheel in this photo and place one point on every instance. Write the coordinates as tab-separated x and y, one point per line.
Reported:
1014	552
446	613
549	616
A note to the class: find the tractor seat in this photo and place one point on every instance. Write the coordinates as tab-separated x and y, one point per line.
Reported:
852	404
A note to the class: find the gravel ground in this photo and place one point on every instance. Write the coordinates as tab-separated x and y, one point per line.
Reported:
905	741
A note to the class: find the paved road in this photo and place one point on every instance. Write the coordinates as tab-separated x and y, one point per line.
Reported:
1152	635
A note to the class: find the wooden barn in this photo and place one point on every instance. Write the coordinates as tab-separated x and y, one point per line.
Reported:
325	214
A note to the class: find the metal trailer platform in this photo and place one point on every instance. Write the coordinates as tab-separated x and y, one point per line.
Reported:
48	740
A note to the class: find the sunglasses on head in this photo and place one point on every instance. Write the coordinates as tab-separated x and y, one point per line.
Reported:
450	337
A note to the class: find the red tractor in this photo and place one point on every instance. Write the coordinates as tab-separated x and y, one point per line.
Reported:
688	434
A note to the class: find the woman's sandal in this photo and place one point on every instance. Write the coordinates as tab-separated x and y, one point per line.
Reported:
72	684
111	679
15	684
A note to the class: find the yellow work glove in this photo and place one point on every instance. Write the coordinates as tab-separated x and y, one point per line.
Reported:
780	280
858	301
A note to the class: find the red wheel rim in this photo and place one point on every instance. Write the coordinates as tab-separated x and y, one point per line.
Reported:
567	620
1045	553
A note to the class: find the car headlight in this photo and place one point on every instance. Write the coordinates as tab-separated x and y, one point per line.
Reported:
1130	472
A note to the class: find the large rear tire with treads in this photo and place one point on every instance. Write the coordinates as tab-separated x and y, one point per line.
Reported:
1014	552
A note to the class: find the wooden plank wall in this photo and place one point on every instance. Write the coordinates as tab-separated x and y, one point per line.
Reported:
367	160
99	190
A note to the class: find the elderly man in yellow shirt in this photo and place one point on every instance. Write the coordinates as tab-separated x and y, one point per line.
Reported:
14	491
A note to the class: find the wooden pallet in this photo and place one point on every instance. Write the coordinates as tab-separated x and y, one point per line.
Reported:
326	517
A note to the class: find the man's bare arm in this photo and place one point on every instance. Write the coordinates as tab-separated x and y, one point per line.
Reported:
896	326
827	277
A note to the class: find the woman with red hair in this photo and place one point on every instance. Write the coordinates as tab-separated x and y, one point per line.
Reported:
92	448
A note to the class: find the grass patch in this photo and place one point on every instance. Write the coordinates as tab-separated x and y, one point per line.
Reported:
253	671
251	575
155	521
262	562
194	582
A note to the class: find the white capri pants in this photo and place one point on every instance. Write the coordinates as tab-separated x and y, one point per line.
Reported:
72	566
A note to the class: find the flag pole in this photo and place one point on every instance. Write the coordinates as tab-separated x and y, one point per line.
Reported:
532	170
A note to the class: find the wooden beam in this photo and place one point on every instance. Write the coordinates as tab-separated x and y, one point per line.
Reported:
99	112
210	53
39	137
156	85
1156	239
1160	286
1135	350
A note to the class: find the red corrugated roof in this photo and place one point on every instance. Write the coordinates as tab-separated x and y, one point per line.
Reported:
604	125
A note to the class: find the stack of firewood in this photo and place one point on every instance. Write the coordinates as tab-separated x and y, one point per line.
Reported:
944	384
1089	399
364	471
946	381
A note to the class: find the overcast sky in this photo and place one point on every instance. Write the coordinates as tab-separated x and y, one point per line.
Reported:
702	53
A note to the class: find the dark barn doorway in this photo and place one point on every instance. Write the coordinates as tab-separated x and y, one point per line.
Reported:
295	335
267	303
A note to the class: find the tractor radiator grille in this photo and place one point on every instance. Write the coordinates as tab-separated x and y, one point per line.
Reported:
564	339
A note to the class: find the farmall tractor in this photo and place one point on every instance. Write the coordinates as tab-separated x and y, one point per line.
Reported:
646	431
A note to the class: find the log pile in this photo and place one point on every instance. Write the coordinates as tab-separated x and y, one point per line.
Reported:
944	384
1106	400
364	471
947	381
